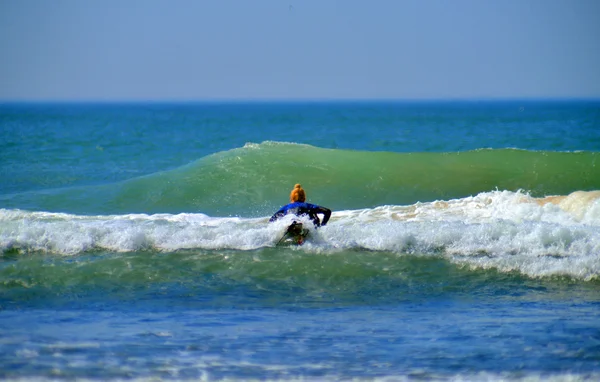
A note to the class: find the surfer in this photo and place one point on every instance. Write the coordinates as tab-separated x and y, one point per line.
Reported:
299	207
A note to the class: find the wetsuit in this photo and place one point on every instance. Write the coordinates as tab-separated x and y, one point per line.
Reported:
299	209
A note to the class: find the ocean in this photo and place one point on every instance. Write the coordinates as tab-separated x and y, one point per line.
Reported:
464	242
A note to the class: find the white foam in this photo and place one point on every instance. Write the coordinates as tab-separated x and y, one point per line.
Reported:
70	234
509	231
503	230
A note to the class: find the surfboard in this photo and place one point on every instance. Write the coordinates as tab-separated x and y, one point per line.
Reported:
295	234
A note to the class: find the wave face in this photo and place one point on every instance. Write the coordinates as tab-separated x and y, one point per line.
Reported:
254	180
501	230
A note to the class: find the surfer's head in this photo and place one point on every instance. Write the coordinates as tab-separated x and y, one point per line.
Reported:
298	194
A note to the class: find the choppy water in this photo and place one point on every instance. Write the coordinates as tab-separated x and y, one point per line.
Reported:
464	242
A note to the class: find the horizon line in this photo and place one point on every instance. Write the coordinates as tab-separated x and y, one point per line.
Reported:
293	100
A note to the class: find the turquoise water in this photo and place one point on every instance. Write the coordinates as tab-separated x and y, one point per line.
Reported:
464	242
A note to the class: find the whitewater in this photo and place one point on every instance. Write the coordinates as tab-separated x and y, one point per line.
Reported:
503	230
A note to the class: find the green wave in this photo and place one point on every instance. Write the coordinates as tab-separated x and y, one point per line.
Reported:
256	179
267	276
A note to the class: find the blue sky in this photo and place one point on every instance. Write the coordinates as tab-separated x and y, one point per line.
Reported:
298	49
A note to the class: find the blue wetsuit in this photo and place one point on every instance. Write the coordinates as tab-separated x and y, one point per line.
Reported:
300	208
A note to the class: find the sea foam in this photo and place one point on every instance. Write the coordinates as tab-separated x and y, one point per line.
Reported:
504	230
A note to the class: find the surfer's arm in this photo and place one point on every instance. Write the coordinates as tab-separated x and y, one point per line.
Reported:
277	215
326	214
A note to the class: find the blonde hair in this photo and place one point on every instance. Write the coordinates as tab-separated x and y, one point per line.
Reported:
297	194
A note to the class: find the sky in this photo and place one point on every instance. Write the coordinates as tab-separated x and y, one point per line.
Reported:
185	50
